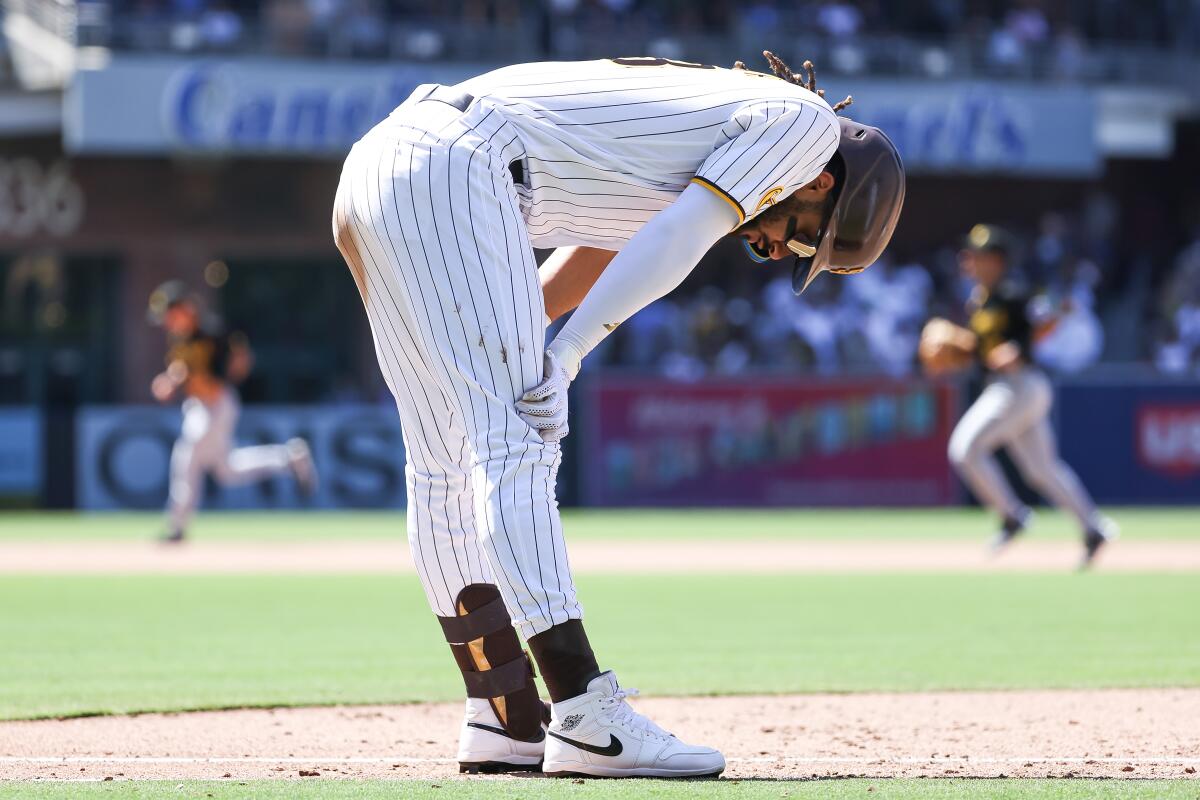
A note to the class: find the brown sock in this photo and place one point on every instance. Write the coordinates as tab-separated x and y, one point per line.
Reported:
565	659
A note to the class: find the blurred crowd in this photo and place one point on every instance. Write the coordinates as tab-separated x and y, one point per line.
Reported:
1177	348
1010	29
733	316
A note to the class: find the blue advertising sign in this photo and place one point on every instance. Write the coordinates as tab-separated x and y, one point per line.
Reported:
1150	448
252	106
122	453
20	452
982	127
223	106
236	106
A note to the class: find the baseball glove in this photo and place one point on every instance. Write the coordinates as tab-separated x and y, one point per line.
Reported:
945	347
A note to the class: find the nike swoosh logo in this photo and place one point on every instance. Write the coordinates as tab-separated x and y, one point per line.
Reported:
613	748
501	732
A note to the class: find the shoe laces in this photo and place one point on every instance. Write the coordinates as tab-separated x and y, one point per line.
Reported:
623	714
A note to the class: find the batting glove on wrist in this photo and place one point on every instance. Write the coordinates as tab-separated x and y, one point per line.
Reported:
544	407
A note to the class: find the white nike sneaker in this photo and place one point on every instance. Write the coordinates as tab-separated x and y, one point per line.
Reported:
485	747
597	733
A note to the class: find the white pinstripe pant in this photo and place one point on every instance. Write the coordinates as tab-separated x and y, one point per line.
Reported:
427	218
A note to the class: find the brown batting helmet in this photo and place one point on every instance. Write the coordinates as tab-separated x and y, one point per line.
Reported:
868	195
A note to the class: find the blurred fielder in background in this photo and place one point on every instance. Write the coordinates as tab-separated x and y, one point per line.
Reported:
204	365
1013	410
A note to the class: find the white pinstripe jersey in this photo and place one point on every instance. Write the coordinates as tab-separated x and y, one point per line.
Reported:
611	143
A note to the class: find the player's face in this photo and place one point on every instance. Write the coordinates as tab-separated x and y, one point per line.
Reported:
772	236
983	266
180	319
798	218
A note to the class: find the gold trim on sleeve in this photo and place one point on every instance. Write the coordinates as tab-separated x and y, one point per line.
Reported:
721	193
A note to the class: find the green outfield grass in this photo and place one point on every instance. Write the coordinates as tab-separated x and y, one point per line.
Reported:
947	523
77	645
895	789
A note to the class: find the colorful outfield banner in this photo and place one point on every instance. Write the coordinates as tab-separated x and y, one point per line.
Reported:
800	442
645	441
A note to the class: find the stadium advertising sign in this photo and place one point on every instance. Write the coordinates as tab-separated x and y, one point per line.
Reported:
20	453
221	106
1168	439
235	106
122	455
254	106
983	127
37	199
773	443
1151	450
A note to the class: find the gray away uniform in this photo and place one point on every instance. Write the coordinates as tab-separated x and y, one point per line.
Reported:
206	440
1013	412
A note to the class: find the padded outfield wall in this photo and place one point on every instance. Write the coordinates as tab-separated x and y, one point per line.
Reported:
646	441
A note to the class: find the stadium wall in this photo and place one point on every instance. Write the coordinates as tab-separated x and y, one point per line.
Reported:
644	441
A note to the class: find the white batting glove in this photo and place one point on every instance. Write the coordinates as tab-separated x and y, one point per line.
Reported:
544	407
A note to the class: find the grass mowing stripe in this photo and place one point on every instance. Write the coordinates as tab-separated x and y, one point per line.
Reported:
104	644
941	523
887	789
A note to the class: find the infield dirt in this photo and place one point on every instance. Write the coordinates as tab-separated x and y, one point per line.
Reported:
1126	733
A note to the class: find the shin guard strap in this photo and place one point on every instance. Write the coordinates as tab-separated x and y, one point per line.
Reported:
486	619
499	681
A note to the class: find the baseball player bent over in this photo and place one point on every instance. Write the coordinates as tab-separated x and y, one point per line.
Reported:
1013	410
632	169
205	365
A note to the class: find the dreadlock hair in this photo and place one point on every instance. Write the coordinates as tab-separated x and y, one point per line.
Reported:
783	71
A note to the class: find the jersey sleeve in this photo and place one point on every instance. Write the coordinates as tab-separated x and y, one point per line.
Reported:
770	149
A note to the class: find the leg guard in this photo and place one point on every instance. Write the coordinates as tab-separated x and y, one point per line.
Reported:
493	664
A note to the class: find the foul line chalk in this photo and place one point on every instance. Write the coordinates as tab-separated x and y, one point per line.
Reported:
864	760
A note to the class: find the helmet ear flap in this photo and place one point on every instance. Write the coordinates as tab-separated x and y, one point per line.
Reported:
757	254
